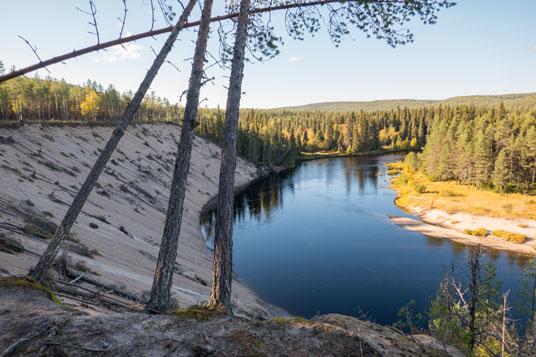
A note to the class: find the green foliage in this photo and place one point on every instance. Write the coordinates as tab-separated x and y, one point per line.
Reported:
408	320
448	193
419	188
527	296
487	148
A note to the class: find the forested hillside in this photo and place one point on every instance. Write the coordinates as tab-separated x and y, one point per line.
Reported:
511	101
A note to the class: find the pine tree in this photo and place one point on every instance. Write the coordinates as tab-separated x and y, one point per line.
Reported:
501	173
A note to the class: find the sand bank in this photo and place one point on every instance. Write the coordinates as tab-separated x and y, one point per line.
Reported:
437	223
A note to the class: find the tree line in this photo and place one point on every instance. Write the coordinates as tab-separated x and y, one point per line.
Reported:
269	137
33	98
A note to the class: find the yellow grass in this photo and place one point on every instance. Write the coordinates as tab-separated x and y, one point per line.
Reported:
510	236
479	232
451	198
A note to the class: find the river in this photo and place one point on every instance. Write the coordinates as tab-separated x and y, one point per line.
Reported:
317	239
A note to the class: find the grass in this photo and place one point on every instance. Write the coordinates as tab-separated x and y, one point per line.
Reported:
510	236
83	250
451	197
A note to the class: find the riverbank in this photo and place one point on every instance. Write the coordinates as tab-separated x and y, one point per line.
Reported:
306	156
454	211
121	224
437	223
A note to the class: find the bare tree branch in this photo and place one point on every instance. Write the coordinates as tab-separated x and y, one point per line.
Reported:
152	33
92	12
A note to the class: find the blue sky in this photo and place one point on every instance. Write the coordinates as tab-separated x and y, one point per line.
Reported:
476	47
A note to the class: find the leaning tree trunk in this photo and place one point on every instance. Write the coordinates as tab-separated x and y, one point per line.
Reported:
40	270
222	268
160	292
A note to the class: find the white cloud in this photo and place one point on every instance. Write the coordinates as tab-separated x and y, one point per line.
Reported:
129	50
296	59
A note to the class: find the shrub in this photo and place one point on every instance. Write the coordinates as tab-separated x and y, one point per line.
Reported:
39	226
448	193
479	232
93	225
507	207
419	188
83	250
517	238
48	137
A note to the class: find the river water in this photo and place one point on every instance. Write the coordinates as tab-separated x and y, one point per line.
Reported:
318	239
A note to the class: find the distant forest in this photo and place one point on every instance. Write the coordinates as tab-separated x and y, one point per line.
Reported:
510	101
490	146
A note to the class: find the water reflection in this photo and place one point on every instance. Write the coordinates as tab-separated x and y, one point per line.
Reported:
317	239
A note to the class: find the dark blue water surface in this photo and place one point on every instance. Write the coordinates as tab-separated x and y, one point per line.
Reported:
318	240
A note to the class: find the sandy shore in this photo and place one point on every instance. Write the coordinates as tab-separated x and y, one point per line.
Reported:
46	165
436	223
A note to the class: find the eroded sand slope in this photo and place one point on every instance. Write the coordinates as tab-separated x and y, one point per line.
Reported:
46	165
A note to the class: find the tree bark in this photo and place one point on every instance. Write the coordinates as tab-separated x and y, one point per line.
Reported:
223	242
40	270
160	292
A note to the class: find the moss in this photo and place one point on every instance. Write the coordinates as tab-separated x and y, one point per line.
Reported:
279	320
300	320
197	312
28	282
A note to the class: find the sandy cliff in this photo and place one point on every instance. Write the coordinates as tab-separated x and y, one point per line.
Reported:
41	168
